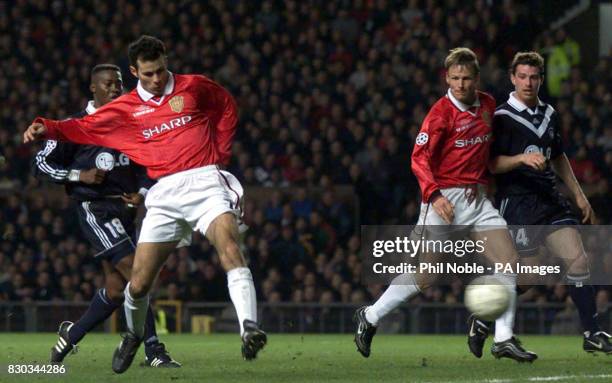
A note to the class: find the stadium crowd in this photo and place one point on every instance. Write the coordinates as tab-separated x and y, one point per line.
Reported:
329	93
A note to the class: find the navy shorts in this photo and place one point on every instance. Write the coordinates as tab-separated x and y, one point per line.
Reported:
533	217
109	226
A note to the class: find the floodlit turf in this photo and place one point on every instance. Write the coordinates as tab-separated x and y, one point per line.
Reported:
314	358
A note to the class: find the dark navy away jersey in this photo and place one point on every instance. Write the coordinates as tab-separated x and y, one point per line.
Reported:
518	129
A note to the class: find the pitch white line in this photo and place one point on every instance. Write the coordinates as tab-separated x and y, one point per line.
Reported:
563	377
535	379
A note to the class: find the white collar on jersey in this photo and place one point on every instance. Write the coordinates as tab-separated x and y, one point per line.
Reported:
461	106
146	95
91	109
519	105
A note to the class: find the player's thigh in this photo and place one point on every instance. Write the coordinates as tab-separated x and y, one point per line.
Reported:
148	261
566	244
223	234
533	258
497	245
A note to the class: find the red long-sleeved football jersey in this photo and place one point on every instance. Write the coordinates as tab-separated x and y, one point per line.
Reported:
452	147
190	126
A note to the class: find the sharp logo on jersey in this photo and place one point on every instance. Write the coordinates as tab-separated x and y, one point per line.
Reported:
472	141
143	109
422	138
172	124
176	104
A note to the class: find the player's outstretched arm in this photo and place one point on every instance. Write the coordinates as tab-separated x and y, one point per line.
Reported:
34	132
562	167
107	127
504	164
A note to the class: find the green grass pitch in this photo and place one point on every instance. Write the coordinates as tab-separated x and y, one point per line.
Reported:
313	358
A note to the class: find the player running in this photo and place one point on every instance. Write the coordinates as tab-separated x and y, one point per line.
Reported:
180	127
107	187
449	161
525	156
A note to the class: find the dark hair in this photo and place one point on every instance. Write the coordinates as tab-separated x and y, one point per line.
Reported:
102	67
146	48
464	57
527	58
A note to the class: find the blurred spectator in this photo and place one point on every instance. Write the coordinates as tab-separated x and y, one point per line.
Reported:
330	94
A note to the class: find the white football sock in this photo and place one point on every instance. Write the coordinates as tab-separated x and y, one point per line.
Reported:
505	323
135	312
242	293
401	289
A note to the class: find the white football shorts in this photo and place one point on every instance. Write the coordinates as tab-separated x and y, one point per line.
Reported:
477	214
188	201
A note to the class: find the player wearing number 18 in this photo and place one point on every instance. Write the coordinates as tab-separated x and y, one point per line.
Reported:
106	187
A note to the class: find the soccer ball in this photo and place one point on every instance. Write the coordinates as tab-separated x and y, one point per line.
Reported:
487	298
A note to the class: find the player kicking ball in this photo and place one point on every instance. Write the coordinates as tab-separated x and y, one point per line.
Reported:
106	187
449	161
525	157
180	127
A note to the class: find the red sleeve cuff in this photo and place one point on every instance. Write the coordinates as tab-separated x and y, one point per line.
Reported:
50	125
431	194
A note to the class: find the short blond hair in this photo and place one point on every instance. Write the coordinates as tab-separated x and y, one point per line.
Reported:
462	56
527	58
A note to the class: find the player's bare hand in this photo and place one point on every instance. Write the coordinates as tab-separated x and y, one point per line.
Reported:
588	215
133	199
93	176
444	208
35	132
534	160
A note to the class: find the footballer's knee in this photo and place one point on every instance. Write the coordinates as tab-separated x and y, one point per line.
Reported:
139	288
579	264
114	293
124	266
114	283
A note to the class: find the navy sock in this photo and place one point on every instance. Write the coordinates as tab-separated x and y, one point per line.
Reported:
150	335
100	308
584	299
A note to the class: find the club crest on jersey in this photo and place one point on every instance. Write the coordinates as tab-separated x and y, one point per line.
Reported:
486	117
422	138
105	161
176	104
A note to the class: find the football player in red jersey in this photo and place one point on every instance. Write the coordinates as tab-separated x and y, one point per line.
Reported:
450	162
180	127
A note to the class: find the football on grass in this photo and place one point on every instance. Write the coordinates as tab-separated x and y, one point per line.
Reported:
487	298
